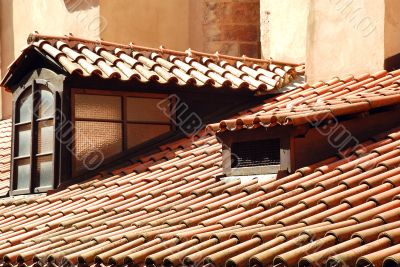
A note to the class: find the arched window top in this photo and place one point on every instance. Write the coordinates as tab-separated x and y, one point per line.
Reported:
24	106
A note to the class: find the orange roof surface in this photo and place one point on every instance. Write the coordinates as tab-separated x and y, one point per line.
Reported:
170	208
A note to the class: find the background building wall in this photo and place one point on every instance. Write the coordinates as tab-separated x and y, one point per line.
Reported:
333	37
284	29
344	36
146	22
228	26
6	52
232	27
392	33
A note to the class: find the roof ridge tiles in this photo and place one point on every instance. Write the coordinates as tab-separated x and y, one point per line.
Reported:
123	61
35	36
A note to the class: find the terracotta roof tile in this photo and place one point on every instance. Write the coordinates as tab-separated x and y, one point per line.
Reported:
5	156
131	62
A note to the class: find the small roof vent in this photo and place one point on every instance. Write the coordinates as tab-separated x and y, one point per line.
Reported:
256	157
255	153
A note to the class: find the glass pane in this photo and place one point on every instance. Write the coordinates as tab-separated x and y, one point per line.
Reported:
22	174
97	107
46	102
96	141
44	171
139	133
23	144
147	109
24	106
45	136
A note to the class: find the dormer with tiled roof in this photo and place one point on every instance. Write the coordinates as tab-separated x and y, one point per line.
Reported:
82	105
310	123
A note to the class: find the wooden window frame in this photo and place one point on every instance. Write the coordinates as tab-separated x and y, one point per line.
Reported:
124	95
34	123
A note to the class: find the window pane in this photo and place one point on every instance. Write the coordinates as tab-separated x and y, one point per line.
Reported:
23	144
92	138
45	136
44	171
46	102
22	173
139	133
97	107
147	110
24	107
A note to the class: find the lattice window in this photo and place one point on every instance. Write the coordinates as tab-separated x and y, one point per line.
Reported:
108	124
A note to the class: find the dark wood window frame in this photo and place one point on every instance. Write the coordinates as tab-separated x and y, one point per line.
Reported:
124	121
34	179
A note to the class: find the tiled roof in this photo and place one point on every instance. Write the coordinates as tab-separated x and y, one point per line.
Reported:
5	152
132	62
169	208
320	101
172	210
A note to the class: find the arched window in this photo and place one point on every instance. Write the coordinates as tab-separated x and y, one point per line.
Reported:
33	155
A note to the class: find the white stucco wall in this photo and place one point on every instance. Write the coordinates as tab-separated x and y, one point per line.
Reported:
344	36
284	29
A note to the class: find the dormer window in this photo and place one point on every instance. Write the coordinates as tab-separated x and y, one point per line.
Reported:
53	143
108	124
33	153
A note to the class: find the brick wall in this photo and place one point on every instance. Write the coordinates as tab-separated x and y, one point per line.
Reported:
232	27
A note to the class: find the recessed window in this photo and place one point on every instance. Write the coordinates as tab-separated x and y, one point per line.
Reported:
33	154
108	125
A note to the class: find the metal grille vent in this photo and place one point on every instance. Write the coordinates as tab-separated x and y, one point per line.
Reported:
255	153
